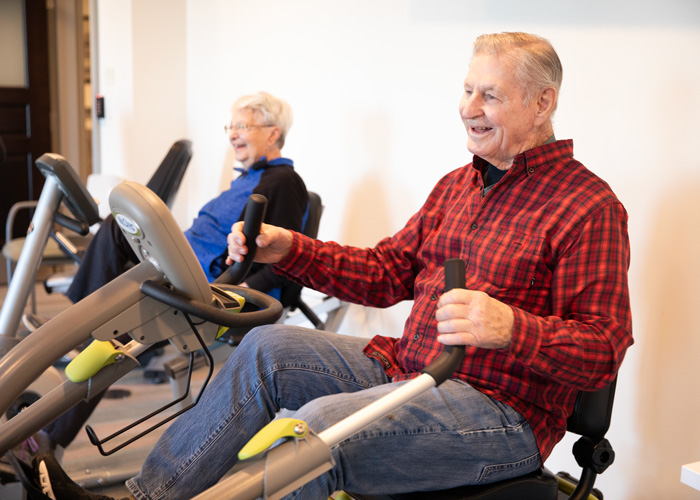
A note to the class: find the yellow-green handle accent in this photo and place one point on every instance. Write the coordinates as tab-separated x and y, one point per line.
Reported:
268	435
341	495
93	358
235	309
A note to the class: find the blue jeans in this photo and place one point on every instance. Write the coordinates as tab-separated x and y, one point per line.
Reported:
450	436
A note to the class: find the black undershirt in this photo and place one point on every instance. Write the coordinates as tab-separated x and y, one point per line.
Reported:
491	177
493	174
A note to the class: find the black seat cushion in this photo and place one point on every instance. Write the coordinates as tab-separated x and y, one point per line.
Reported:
538	485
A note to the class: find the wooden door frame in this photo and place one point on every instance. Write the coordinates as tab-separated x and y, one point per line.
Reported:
26	112
69	113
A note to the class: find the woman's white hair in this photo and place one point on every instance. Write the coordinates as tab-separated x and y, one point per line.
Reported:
275	111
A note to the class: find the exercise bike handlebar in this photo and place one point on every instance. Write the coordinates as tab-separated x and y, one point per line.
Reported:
253	217
271	309
451	357
285	467
78	227
431	376
120	306
77	198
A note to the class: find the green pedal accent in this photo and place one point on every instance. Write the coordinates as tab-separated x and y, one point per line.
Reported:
268	435
93	358
235	298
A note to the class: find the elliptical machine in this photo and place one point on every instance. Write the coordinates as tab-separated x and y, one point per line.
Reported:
62	186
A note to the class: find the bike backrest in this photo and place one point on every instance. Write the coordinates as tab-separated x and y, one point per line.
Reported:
592	412
167	178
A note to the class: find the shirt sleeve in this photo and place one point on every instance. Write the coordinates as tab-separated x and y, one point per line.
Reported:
378	277
584	340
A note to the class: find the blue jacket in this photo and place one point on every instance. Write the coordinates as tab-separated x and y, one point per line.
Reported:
287	203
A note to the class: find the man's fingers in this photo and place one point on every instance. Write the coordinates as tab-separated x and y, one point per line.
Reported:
455	324
456	296
462	338
262	240
236	249
446	312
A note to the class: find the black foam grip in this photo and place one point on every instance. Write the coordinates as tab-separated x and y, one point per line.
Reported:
451	357
455	276
76	226
252	220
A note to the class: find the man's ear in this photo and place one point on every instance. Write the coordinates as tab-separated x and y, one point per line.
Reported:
545	104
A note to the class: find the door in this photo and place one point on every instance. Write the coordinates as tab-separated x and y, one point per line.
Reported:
24	103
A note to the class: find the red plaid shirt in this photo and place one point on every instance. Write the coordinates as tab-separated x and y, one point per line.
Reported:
550	239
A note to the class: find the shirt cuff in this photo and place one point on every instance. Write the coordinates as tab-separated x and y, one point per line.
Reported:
525	342
295	262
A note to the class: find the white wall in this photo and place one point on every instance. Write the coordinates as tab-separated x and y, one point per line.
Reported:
375	88
142	76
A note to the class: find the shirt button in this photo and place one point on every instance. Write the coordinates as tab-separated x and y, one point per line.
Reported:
433	297
475	225
531	170
416	337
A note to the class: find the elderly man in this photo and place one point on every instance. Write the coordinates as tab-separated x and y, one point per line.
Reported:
545	312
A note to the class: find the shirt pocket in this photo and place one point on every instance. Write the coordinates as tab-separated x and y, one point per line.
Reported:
511	265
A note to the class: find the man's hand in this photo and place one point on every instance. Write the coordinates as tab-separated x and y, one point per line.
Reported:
273	244
468	317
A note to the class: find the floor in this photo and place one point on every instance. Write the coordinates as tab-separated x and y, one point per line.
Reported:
133	397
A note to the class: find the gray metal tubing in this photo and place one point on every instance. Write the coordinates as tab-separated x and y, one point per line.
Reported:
28	359
99	476
10	223
291	464
374	411
282	470
22	282
58	401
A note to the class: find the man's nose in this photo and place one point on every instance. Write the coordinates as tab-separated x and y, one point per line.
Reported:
471	107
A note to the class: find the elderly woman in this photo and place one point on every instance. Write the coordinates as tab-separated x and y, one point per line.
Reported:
257	132
259	126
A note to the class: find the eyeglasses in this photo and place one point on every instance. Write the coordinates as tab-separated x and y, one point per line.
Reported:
242	127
